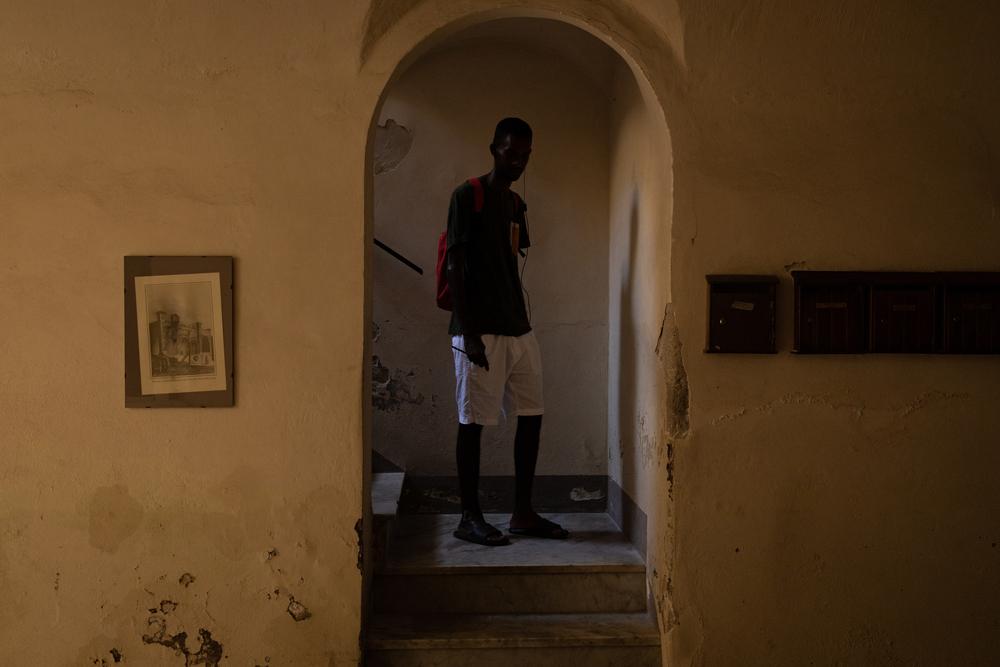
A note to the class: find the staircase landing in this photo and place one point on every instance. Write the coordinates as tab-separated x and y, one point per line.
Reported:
424	544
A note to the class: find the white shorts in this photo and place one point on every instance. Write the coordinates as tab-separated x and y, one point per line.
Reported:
513	385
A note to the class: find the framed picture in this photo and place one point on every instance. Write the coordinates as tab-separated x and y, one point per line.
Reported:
178	331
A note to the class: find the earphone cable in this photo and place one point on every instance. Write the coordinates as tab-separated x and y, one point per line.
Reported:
524	264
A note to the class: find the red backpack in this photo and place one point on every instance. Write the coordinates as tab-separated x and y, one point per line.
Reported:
441	269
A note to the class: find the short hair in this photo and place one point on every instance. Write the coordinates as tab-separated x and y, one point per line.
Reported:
515	127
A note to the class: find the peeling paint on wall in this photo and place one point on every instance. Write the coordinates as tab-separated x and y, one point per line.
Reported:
392	144
669	352
116	656
391	389
297	610
209	652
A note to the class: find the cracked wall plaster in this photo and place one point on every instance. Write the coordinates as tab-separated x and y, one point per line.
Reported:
393	388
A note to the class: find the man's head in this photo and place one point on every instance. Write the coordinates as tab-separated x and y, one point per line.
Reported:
511	148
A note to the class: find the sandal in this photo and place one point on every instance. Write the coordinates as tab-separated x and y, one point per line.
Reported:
473	528
542	528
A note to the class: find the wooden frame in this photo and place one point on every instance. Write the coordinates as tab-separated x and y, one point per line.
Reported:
179	331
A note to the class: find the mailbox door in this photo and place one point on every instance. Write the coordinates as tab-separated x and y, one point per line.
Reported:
972	320
902	319
741	318
831	318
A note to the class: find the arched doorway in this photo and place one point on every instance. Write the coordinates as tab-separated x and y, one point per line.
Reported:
633	238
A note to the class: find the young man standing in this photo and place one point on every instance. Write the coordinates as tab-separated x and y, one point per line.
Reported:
497	362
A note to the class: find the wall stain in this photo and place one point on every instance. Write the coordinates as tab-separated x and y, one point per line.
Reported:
186	579
114	516
391	389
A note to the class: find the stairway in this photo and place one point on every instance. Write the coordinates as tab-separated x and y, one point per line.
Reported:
439	601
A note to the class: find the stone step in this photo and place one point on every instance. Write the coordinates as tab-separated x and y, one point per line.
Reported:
429	570
495	640
386	489
512	592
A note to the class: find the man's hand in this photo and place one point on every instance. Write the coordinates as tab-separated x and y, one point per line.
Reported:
476	351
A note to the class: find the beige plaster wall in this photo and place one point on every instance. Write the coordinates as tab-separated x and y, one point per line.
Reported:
557	77
835	510
826	510
194	128
640	217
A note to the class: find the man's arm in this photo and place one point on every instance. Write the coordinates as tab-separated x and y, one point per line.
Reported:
474	347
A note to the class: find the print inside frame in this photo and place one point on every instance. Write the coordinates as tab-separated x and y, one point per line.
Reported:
179	331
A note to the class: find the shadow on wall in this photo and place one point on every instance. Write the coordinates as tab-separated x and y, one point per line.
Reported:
626	352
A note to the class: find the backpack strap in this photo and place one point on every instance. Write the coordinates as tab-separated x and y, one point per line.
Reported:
479	196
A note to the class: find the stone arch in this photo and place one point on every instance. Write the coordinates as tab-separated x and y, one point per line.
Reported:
396	32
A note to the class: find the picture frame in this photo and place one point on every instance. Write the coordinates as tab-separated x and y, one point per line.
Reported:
179	331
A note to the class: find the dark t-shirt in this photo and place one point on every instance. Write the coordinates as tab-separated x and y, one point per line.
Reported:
492	284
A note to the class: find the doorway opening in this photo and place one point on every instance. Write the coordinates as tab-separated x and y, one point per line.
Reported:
598	191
